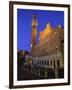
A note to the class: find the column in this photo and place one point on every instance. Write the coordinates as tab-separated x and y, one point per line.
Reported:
49	64
46	73
61	62
39	72
56	71
53	64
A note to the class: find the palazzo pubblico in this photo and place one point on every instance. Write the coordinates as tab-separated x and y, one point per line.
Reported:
49	52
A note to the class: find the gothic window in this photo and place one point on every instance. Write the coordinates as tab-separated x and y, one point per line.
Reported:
54	63
51	62
47	53
38	62
58	63
47	62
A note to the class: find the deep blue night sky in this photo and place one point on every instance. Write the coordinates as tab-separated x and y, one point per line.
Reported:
24	28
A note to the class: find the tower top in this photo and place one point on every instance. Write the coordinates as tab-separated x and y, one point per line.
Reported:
34	15
48	25
34	20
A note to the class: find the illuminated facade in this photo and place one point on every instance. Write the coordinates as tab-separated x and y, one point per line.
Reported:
49	52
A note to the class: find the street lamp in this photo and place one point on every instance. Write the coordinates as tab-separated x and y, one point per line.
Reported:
31	45
59	26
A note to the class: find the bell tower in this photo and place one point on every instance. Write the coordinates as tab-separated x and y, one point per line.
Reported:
34	30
